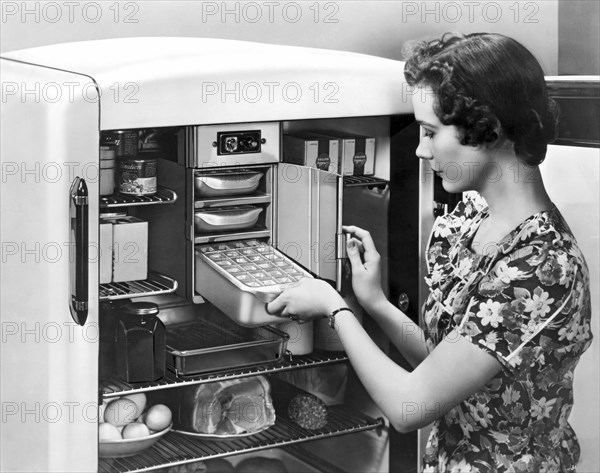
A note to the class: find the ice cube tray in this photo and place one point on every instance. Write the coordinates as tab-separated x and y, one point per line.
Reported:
253	263
239	277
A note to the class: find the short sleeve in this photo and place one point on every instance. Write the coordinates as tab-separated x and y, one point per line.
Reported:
532	301
447	228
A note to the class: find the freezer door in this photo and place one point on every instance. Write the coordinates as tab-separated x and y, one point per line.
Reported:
308	224
49	350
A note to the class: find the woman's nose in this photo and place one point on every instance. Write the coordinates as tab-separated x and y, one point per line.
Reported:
423	151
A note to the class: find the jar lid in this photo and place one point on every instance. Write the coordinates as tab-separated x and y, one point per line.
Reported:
140	308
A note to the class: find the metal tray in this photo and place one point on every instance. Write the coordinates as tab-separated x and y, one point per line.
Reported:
226	219
226	183
202	346
242	294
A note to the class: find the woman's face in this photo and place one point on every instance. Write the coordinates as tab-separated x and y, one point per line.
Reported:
461	167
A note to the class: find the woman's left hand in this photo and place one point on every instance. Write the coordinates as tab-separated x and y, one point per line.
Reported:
306	300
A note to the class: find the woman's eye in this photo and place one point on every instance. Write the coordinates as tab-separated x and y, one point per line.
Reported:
428	134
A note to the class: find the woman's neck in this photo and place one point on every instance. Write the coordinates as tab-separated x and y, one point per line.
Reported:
515	194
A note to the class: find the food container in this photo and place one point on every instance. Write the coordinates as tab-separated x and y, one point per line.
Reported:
226	219
138	176
226	183
313	150
141	342
357	153
127	447
107	180
301	337
202	346
240	277
129	248
105	249
125	142
107	170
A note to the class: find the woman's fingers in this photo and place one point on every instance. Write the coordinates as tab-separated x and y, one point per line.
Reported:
368	246
276	306
353	252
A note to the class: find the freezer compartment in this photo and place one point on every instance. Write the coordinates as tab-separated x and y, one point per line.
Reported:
240	277
226	219
226	183
201	346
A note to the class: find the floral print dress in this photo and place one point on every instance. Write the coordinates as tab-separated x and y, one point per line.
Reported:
528	305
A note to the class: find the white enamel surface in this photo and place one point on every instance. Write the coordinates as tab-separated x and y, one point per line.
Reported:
49	373
572	178
181	81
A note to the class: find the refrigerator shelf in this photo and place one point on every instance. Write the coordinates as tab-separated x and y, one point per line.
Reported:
178	449
114	387
163	196
253	199
257	231
367	181
154	285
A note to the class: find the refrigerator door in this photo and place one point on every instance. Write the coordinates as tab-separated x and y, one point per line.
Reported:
308	227
49	361
572	178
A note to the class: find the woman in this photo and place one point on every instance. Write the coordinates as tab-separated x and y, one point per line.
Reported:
508	312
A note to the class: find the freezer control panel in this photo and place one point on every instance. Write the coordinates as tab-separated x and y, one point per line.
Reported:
238	142
234	144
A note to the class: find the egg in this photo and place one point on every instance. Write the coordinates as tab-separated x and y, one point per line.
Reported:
108	431
121	412
139	399
135	430
101	409
158	417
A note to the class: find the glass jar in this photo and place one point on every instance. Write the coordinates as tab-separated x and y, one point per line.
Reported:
141	343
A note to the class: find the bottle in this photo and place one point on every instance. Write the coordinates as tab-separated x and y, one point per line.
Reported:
141	343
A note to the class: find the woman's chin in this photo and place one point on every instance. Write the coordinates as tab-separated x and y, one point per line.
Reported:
454	187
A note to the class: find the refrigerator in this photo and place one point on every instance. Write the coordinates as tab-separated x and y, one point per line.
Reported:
199	109
190	97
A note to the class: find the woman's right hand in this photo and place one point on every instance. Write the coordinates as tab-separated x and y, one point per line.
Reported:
366	267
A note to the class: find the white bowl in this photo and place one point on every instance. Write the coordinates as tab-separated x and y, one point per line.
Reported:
128	447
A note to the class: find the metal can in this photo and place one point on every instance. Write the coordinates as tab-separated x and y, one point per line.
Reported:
137	176
125	142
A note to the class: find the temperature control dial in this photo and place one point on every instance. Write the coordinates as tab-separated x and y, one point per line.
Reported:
239	142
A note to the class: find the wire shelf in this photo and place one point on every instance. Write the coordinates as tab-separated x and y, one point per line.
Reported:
367	181
155	284
163	196
178	449
114	386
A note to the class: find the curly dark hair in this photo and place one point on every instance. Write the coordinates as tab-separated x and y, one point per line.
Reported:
490	87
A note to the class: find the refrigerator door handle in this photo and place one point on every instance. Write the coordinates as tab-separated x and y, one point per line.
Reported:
78	266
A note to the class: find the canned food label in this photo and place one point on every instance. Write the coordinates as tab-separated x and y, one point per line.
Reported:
137	177
323	162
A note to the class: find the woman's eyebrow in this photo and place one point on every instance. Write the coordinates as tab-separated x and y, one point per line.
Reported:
424	123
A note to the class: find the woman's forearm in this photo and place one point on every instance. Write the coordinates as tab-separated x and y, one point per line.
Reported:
406	336
386	382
